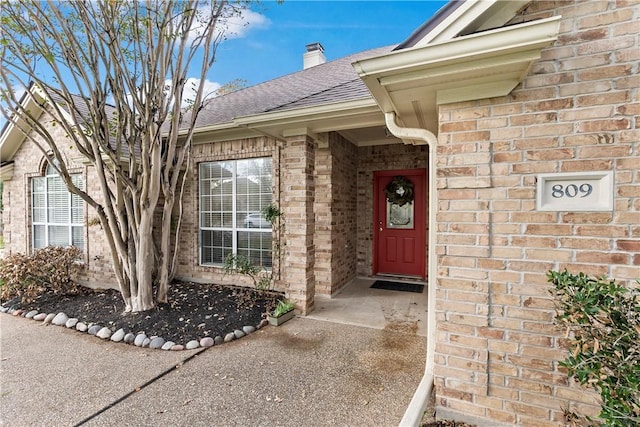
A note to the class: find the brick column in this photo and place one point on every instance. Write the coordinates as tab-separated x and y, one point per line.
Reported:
297	200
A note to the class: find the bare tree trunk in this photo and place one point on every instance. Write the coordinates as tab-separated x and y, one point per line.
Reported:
142	296
165	250
121	70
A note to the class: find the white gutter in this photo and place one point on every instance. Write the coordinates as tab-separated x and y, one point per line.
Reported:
294	115
418	404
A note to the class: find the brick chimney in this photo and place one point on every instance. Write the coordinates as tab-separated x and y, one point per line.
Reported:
313	56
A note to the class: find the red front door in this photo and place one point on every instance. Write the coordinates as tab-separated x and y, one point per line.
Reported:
400	227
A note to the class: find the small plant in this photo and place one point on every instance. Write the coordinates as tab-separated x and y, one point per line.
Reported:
271	213
262	278
603	325
241	264
284	306
28	276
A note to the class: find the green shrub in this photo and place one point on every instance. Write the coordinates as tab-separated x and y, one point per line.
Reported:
241	264
603	325
284	306
28	276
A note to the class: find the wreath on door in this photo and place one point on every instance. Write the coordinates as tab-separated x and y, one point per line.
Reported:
399	191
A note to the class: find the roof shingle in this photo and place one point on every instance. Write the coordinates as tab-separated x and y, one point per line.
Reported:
332	81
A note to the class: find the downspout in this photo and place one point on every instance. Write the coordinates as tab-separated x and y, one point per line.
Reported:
418	404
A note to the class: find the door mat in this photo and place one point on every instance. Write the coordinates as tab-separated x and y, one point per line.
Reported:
398	286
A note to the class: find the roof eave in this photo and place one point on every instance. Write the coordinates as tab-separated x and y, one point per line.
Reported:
278	124
14	131
6	171
463	17
477	66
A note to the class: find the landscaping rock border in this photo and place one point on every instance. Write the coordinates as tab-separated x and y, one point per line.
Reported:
139	339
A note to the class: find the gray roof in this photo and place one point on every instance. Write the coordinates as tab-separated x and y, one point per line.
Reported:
333	81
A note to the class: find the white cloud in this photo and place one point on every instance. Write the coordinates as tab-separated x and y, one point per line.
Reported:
191	88
236	25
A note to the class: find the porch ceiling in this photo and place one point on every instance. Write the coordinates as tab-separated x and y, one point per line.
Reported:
413	82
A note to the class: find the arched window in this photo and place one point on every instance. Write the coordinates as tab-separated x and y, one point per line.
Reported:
57	215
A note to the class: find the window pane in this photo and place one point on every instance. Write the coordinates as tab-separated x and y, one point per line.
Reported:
215	246
254	191
54	210
77	215
78	237
58	201
232	196
39	236
38	185
39	215
59	236
77	209
256	246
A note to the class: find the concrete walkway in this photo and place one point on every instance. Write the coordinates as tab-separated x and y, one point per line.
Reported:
304	373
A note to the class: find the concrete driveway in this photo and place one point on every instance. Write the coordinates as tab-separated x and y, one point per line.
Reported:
304	373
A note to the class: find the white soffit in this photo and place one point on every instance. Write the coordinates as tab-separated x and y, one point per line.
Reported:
482	65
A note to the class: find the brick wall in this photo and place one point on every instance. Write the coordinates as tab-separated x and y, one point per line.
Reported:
294	187
335	213
378	158
188	256
29	162
497	349
297	203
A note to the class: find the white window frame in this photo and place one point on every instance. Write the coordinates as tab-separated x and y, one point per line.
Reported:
72	202
237	225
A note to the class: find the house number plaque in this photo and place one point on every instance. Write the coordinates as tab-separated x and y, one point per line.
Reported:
575	192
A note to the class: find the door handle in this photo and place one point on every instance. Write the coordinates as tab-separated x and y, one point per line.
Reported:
380	229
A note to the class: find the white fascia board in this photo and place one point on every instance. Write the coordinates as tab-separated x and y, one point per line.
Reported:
453	24
473	16
293	116
481	65
6	172
526	36
14	134
325	111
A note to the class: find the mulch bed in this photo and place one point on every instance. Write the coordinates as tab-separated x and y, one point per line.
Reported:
194	310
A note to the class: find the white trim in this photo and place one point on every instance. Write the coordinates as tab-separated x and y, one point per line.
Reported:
295	117
486	13
15	132
418	403
513	39
6	172
456	21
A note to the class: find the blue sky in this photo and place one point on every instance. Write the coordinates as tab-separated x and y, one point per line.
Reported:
273	43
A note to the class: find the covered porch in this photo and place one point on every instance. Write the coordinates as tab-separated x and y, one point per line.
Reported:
359	304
